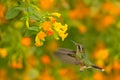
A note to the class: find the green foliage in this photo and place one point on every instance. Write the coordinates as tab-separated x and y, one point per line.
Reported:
12	13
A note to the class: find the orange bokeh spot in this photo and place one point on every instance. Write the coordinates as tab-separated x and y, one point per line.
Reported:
2	13
116	65
111	8
82	29
63	72
32	60
108	20
98	76
45	59
16	65
46	4
79	12
26	41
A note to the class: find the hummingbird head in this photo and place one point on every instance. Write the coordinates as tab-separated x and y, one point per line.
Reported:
79	46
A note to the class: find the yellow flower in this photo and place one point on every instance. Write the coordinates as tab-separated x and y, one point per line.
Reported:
61	29
56	14
40	36
64	28
38	43
57	26
64	36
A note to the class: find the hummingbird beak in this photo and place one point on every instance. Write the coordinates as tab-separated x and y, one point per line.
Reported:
80	48
74	42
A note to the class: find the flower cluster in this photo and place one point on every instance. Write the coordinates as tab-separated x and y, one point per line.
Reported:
51	27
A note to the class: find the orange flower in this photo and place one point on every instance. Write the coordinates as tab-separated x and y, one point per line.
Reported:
116	65
46	25
101	54
32	60
107	20
2	11
82	29
26	41
41	35
50	32
3	72
46	76
63	72
80	11
73	14
98	76
45	59
3	52
16	65
46	4
2	14
111	8
52	19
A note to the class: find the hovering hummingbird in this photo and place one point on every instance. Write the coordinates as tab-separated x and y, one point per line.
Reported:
77	57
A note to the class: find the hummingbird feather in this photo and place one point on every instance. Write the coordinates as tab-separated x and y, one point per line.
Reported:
66	55
78	57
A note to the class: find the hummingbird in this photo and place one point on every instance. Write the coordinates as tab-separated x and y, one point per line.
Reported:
77	57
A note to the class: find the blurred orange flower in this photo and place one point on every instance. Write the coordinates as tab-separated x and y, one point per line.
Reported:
46	4
101	54
79	12
117	77
26	41
63	72
32	60
98	76
108	20
116	65
82	29
45	59
111	8
46	75
16	65
41	35
46	25
2	13
3	52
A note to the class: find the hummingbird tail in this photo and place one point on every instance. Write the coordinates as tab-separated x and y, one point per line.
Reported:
96	67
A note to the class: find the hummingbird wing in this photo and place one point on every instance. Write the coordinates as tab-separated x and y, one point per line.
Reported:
66	55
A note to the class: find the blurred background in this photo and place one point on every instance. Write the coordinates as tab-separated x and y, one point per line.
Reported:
94	24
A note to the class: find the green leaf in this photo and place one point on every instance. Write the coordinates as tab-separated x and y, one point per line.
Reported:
12	13
34	28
